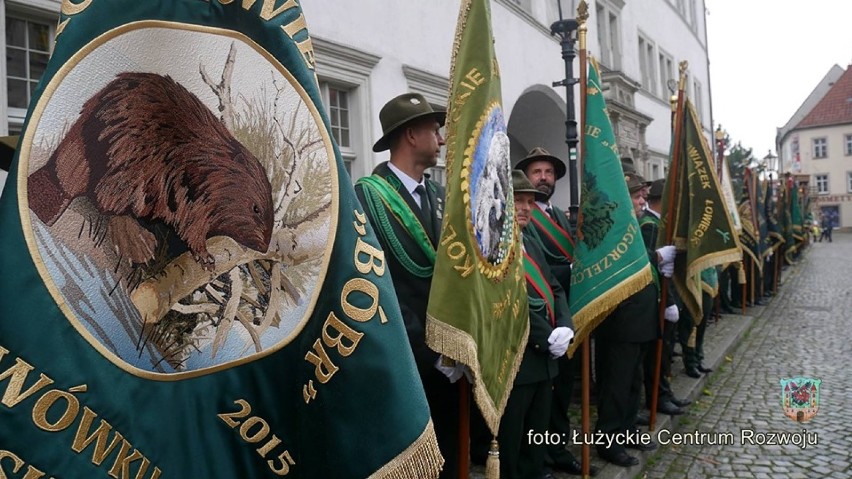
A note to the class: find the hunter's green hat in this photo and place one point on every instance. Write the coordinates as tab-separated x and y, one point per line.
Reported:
540	154
635	182
401	110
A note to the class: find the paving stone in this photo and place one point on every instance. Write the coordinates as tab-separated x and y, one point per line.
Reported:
802	332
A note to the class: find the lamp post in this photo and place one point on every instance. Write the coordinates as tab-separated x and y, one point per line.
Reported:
565	29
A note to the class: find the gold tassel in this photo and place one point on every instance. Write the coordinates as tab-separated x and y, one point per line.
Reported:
741	275
492	464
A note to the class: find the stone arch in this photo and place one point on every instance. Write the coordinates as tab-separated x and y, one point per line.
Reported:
538	119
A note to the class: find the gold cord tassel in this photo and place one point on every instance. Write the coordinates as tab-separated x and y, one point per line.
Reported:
741	277
492	464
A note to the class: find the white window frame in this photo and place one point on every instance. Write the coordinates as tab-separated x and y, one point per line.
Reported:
698	98
31	13
647	64
609	34
847	141
849	181
819	145
344	67
821	180
349	152
666	69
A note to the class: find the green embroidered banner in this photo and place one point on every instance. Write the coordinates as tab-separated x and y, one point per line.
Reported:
167	305
703	232
478	310
610	260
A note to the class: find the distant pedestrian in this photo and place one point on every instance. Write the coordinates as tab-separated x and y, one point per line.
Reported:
826	228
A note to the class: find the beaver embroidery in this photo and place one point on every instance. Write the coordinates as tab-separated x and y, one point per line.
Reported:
146	150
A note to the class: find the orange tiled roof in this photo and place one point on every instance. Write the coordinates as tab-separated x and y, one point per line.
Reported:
835	108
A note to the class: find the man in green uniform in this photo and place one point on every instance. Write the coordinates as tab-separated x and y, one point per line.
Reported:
528	409
550	226
405	208
649	223
619	344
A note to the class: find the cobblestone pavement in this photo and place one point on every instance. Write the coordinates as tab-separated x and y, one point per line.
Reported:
802	332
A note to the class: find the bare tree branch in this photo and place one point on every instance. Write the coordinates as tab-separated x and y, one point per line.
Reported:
222	90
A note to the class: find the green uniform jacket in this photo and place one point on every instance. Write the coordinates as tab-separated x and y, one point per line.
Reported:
537	364
412	291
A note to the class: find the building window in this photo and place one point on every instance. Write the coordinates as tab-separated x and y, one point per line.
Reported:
849	181
848	145
821	184
666	72
655	171
692	15
344	81
820	147
646	65
337	101
697	95
27	51
609	36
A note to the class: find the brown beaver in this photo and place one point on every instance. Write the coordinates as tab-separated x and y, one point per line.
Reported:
145	150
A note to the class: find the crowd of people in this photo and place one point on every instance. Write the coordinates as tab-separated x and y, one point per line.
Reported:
624	343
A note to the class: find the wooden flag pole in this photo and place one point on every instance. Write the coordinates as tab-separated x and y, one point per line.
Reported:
585	361
673	176
464	428
744	298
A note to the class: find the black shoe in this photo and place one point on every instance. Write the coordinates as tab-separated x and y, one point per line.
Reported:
643	419
667	407
573	467
651	446
619	458
726	310
676	354
692	372
759	302
681	402
703	369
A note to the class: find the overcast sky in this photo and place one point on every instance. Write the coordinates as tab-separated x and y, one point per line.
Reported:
766	56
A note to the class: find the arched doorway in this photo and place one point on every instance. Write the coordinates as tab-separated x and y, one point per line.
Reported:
538	119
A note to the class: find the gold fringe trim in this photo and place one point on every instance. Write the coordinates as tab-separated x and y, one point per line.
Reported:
420	459
459	346
591	315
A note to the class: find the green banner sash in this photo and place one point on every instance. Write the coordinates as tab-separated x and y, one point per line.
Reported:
554	233
539	283
377	189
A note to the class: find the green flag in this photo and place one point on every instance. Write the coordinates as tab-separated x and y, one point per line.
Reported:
171	217
703	231
610	260
477	312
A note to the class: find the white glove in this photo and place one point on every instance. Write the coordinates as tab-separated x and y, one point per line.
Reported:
559	340
454	371
667	269
672	314
666	254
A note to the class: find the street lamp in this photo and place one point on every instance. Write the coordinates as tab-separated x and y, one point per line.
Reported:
565	29
770	161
